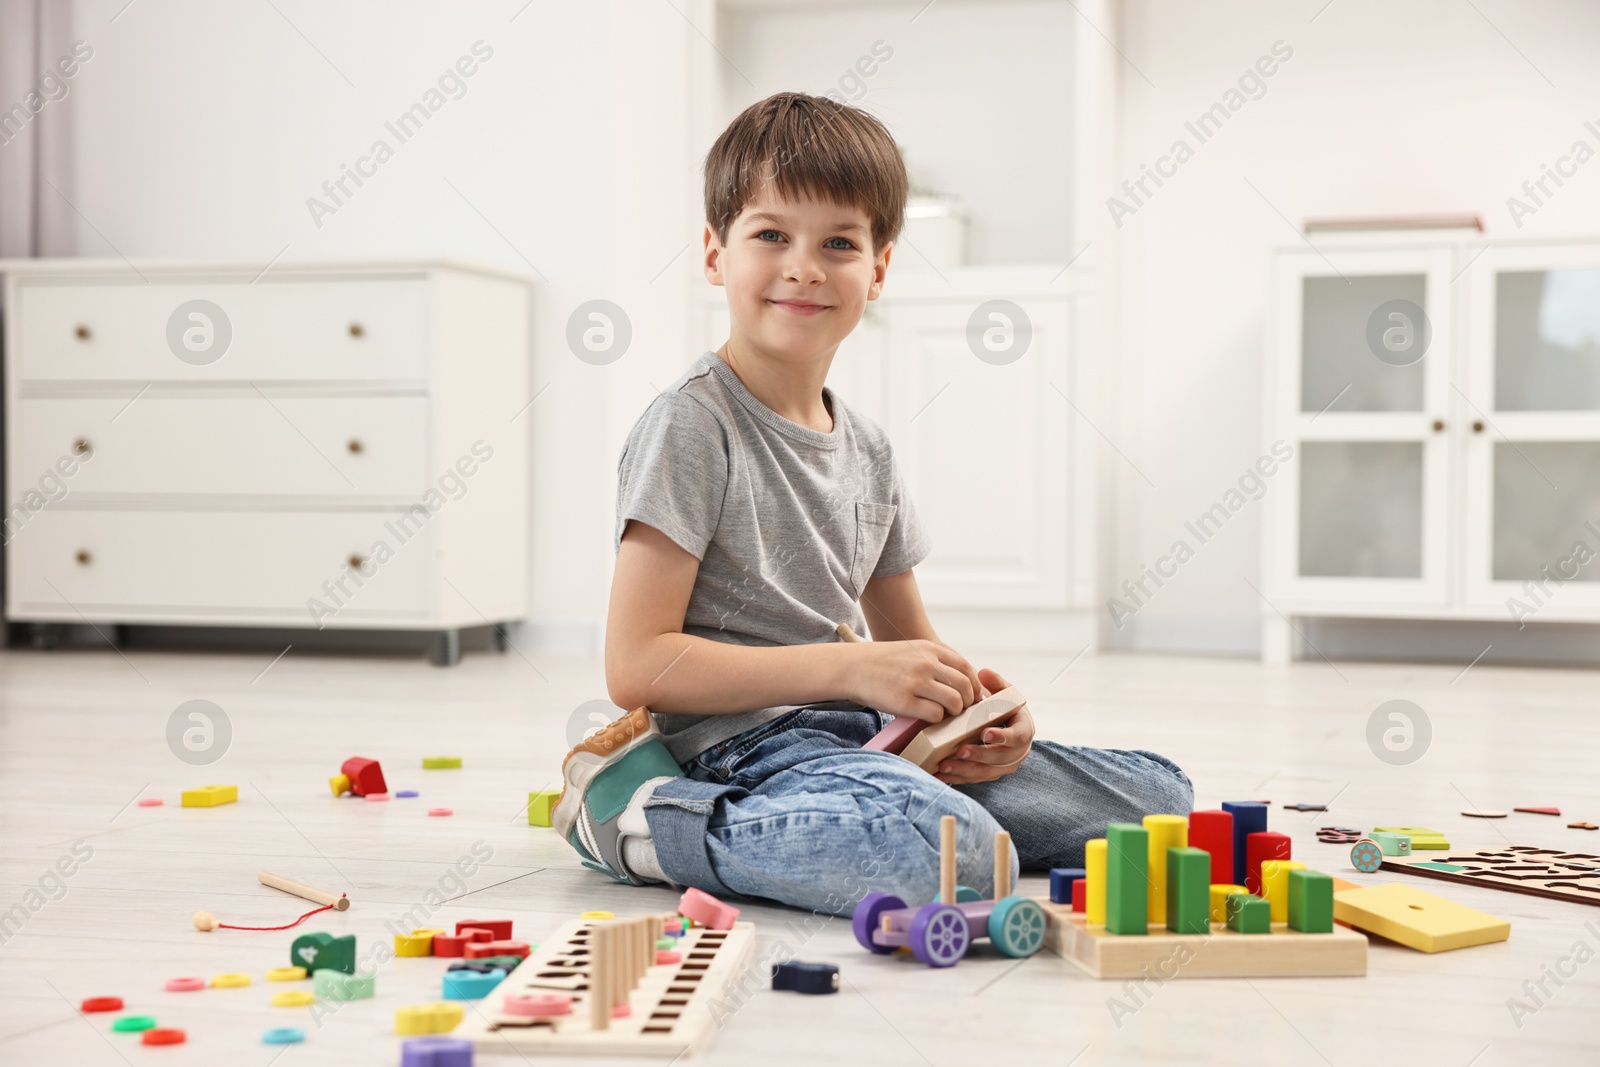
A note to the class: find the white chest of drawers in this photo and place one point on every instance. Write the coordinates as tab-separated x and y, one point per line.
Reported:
321	445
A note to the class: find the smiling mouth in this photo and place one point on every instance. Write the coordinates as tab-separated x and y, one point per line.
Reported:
799	307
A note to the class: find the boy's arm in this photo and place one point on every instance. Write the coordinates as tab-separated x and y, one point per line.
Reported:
650	661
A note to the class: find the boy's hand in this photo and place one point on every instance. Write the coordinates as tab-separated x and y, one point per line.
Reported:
1002	750
923	679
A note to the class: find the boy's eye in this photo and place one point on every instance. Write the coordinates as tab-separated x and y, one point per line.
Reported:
762	236
848	244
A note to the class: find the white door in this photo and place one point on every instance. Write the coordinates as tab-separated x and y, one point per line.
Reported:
975	406
1532	459
1361	347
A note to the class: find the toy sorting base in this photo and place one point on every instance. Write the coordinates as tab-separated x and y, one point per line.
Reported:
1283	953
1538	872
670	1008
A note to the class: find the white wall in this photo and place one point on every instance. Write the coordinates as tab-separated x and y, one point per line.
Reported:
1384	109
202	129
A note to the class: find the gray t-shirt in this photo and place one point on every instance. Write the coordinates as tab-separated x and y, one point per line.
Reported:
788	523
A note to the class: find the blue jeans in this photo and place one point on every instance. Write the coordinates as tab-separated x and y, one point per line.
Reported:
797	812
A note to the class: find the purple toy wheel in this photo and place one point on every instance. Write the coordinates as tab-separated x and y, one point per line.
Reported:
867	916
940	934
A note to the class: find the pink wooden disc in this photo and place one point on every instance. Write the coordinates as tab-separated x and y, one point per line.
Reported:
538	1004
151	802
440	811
185	985
377	796
667	955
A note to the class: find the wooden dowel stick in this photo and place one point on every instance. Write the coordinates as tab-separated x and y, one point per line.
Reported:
846	634
947	859
1002	864
316	896
599	977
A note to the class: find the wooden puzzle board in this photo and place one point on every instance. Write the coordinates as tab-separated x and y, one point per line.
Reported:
671	1005
1284	953
1540	872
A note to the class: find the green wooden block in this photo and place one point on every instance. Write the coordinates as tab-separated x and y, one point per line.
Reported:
541	805
332	985
1188	891
505	963
1392	844
318	951
440	763
1310	902
1250	914
1127	878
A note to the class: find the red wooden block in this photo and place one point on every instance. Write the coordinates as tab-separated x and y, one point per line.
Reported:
1080	894
1213	831
476	950
365	776
1265	845
500	928
452	944
707	910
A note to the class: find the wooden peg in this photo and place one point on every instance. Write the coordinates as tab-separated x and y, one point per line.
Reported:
316	896
600	976
947	859
1002	864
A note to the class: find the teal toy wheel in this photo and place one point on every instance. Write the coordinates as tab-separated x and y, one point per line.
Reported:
966	894
1016	926
1366	857
940	934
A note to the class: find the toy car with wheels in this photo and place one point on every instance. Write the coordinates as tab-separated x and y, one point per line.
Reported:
940	933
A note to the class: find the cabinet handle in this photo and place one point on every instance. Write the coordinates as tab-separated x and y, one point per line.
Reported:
1438	425
1477	426
83	557
81	333
82	446
356	330
354	445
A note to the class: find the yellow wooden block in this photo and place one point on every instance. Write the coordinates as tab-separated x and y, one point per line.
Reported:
340	784
1166	831
1219	900
231	980
1275	886
286	974
294	998
209	796
439	1018
1416	918
416	943
597	915
1094	872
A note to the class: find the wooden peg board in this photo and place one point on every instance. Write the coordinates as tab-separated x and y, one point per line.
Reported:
1538	872
1283	953
671	1005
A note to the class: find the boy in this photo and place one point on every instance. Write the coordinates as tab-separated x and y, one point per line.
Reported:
755	511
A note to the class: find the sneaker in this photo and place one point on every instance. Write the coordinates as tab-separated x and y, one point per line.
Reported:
599	779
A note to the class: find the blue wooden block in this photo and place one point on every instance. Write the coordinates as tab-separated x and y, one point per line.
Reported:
470	985
1061	879
1249	817
806	977
436	1052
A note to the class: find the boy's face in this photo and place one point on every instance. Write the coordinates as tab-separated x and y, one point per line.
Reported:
799	274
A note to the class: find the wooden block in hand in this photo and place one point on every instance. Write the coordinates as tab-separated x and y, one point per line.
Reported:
938	741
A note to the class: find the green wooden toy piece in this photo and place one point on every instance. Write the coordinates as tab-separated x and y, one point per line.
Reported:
1188	891
1127	878
132	1024
1310	902
540	805
508	963
1392	844
440	763
1249	914
1422	838
334	985
322	951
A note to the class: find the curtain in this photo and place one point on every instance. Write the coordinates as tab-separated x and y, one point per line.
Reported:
36	39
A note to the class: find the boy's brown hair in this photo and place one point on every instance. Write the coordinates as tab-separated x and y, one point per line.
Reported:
812	147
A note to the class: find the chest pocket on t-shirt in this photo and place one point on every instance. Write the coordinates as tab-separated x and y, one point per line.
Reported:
873	522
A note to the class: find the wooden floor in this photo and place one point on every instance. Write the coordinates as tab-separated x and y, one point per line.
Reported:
82	734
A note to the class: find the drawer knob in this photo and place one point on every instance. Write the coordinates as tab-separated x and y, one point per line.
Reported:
83	557
1477	426
357	563
356	330
354	445
81	333
1438	425
82	446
